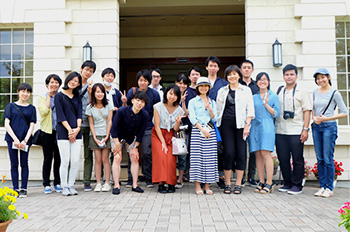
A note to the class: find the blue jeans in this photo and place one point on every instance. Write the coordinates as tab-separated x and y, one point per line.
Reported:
13	153
324	136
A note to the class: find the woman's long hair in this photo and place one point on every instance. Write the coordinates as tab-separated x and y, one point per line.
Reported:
93	101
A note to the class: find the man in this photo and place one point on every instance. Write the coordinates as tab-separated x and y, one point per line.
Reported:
143	79
128	128
155	83
87	70
247	69
212	64
292	128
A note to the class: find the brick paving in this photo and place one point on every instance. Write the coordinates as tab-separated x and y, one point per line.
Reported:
181	211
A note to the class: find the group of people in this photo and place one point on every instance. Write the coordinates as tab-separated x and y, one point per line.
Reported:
230	112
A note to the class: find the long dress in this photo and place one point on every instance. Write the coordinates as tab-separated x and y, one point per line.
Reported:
164	165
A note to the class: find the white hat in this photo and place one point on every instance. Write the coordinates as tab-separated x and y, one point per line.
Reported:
203	81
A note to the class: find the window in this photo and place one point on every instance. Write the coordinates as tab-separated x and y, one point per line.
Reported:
16	64
342	33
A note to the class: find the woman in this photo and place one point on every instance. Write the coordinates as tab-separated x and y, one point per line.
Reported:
100	114
47	110
203	160
235	112
167	119
182	82
20	118
262	131
69	115
324	129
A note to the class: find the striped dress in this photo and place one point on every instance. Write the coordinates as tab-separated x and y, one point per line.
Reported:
203	159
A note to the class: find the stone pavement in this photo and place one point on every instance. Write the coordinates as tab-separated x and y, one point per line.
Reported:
181	211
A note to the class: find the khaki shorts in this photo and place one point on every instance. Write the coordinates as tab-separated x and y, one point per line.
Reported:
93	145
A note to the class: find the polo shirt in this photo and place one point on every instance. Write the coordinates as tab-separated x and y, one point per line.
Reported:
252	85
219	82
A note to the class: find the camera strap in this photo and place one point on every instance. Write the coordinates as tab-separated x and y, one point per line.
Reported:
284	95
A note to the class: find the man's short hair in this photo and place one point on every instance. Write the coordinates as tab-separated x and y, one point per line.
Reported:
157	70
290	67
195	69
246	61
107	71
212	59
146	74
140	95
90	64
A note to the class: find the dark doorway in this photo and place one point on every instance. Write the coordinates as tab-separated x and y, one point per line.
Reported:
170	68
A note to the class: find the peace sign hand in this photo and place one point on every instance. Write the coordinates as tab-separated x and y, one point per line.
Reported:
123	98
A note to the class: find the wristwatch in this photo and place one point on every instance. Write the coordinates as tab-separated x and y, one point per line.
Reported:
247	123
305	128
137	147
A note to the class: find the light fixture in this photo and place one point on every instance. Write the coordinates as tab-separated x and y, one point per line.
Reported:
277	53
87	51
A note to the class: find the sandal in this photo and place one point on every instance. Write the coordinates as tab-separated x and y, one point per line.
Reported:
200	192
237	189
209	192
267	189
259	187
228	189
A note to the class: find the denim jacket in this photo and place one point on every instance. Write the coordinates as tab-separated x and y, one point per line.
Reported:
198	113
244	104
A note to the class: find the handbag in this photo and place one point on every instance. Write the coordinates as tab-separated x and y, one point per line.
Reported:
37	138
179	143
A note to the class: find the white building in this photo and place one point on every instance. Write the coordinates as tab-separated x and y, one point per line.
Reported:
41	37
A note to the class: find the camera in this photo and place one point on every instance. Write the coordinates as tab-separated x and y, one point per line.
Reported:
288	114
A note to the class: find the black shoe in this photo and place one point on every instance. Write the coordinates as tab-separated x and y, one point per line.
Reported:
243	183
129	184
162	189
22	193
149	184
116	191
137	189
221	183
252	182
171	188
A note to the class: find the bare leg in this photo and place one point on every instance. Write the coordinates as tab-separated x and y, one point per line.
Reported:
198	186
268	165
228	174
98	161
181	175
260	165
116	169
134	169
106	164
239	176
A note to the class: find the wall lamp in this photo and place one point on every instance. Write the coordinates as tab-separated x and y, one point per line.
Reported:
277	53
87	51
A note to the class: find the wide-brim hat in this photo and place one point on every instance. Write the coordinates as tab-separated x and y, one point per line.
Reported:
321	71
203	81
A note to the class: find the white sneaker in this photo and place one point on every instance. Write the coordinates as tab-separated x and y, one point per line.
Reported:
66	192
98	187
106	187
327	193
319	192
73	191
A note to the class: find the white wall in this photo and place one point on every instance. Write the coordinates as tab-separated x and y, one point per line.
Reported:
306	29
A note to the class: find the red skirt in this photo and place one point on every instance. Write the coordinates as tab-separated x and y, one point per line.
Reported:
163	165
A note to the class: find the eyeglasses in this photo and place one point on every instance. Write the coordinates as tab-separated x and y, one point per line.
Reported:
156	76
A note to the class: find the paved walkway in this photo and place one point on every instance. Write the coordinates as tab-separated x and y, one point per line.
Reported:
181	211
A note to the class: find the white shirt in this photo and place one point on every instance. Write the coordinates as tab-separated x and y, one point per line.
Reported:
159	90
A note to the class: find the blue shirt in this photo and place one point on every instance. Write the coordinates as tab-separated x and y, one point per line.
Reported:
64	112
153	98
262	131
198	113
126	124
53	112
219	82
17	123
117	97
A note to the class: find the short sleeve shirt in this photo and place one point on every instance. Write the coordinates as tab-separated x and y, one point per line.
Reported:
301	102
17	123
167	121
99	117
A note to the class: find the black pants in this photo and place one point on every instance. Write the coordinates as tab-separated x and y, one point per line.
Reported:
251	166
235	148
288	146
50	150
147	155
